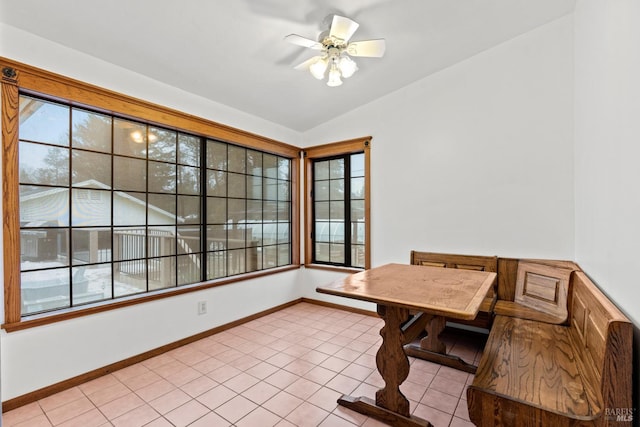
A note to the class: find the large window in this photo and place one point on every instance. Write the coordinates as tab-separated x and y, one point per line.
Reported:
112	207
110	201
338	204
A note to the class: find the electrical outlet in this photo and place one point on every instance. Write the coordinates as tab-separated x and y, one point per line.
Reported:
202	307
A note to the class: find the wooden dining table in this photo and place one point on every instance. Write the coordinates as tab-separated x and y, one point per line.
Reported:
399	291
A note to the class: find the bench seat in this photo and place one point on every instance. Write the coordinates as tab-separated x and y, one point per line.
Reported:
531	362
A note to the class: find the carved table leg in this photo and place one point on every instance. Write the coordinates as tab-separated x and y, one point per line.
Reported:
433	349
391	405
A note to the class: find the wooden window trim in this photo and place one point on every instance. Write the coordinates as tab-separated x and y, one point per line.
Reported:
20	78
357	145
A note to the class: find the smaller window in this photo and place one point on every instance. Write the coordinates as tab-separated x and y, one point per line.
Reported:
337	204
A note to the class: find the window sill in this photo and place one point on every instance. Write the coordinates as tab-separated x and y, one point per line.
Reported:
334	268
71	313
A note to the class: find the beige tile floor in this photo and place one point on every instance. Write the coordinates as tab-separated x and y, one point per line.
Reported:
284	369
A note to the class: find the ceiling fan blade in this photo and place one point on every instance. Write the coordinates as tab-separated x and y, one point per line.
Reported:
343	28
303	41
373	48
306	64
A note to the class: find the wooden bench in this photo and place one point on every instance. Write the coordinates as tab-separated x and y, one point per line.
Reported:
534	373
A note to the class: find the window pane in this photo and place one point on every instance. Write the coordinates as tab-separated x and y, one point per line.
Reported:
270	164
216	183
337	253
321	190
254	163
91	245
357	255
254	210
44	290
129	243
91	131
91	283
129	138
42	164
162	273
321	170
216	238
284	255
162	144
336	230
188	180
321	210
254	233
357	188
216	264
189	209
91	170
216	155
237	159
237	186
162	177
357	210
284	235
357	165
216	210
270	189
129	277
357	232
270	211
237	262
252	259
284	210
236	238
270	233
43	248
90	207
336	168
336	210
284	166
161	209
43	121
322	252
283	190
237	211
188	150
129	208
322	231
129	174
270	256
188	240
336	189
254	187
44	206
189	269
161	241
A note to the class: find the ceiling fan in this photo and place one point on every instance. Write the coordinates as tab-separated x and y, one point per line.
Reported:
336	50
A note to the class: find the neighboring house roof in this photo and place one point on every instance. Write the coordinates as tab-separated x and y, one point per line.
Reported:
94	184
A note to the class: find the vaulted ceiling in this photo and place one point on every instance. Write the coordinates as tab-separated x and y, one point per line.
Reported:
233	52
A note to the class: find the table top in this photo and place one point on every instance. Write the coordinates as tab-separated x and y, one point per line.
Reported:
447	292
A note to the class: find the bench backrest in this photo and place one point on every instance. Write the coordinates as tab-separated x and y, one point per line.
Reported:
544	288
463	262
606	335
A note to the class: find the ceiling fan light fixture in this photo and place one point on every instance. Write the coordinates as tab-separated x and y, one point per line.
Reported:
347	66
334	77
318	68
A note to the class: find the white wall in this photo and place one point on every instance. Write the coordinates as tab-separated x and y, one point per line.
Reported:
38	357
477	158
607	145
